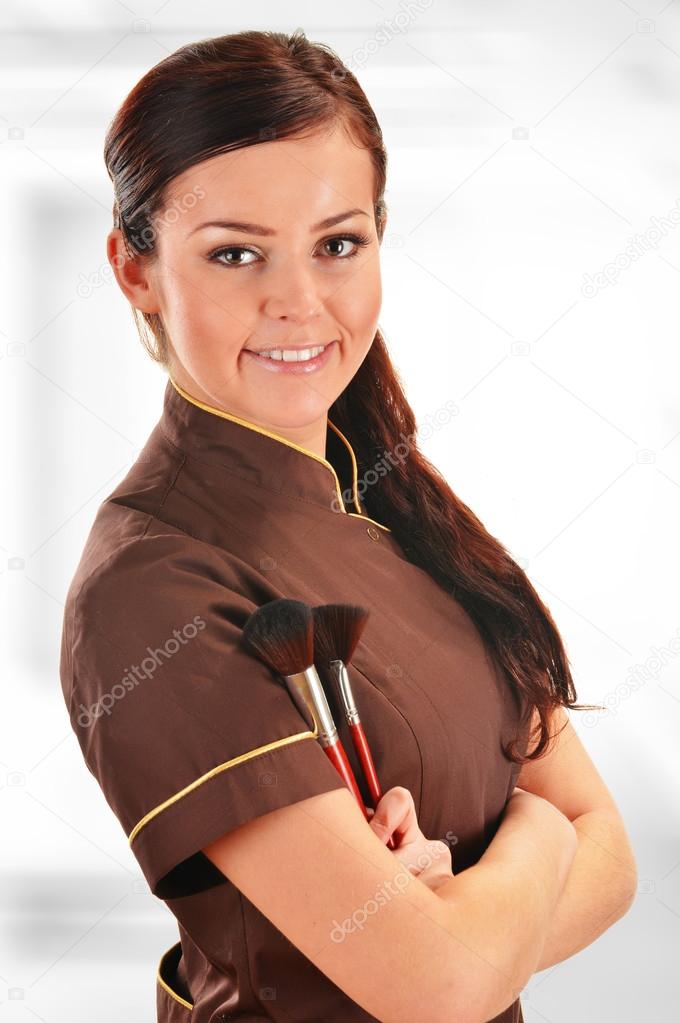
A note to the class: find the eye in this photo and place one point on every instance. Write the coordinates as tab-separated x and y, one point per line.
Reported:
358	240
213	257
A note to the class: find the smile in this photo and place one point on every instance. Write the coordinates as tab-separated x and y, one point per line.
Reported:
304	360
291	355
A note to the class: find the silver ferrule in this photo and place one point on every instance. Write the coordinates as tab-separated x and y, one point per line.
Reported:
308	693
344	688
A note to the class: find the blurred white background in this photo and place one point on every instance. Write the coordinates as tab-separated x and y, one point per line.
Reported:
531	268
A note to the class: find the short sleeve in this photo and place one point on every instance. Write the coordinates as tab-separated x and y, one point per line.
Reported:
188	734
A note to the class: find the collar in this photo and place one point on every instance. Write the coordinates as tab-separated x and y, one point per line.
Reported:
220	438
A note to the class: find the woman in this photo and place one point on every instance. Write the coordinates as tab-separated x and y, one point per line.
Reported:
249	175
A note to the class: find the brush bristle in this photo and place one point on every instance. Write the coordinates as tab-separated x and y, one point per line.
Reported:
281	633
337	631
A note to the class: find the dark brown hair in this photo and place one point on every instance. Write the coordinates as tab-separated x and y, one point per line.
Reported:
238	90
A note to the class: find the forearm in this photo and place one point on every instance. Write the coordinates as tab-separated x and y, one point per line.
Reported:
599	889
502	907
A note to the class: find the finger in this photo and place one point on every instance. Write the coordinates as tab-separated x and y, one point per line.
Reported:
429	858
405	822
387	815
408	855
395	815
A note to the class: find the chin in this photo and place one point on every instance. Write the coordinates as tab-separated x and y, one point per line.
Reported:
290	417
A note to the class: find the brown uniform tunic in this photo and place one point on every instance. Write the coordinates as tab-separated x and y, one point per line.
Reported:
189	736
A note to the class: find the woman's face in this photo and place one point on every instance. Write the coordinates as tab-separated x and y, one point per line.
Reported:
222	291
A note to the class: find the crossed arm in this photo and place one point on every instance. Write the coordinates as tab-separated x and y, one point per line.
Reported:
602	882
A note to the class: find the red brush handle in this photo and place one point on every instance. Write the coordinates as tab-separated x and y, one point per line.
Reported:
366	760
337	756
368	767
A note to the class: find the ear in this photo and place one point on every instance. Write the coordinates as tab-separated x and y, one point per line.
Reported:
132	273
384	227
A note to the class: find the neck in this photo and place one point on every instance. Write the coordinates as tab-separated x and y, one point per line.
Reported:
311	436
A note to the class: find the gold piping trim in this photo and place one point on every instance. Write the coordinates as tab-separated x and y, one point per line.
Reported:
367	519
297	447
166	986
355	470
275	436
216	770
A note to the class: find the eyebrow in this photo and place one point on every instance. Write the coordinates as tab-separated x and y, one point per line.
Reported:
248	228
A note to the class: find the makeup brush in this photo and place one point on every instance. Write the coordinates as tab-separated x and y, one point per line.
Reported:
281	633
337	631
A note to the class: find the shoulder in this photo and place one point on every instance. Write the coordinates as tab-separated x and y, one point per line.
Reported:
156	556
131	592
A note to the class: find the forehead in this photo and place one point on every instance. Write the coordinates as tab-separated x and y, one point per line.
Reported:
279	180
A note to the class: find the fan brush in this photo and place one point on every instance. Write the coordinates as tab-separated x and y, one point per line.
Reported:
281	634
337	631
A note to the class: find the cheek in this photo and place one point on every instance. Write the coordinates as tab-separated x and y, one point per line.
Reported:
357	304
207	324
200	301
191	282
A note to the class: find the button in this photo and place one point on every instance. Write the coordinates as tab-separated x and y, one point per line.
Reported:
373	532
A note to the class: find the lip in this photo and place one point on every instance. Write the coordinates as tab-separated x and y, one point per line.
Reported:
280	366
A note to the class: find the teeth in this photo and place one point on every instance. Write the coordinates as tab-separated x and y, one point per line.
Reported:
289	355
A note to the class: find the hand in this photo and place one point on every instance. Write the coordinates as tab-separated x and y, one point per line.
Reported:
553	829
540	809
428	860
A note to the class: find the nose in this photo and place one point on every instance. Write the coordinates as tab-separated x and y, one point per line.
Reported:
293	294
